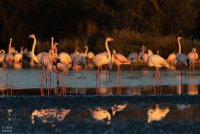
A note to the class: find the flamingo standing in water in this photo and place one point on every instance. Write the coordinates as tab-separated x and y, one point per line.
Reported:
62	64
79	61
8	60
193	57
133	57
119	59
182	59
158	62
46	60
102	59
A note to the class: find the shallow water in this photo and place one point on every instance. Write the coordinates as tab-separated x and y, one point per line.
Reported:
174	108
30	79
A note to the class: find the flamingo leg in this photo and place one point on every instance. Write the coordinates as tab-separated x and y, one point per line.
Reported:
155	82
42	76
159	78
97	80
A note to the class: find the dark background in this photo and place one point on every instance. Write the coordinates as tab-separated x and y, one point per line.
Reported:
93	19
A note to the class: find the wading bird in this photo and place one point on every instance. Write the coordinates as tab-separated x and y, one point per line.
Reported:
157	62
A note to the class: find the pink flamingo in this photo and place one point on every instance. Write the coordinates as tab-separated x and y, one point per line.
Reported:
193	57
158	62
144	56
46	60
119	59
8	60
102	59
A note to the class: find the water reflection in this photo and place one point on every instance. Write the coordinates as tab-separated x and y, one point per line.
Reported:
102	114
49	115
157	113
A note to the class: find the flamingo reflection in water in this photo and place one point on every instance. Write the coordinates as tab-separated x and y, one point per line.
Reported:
49	115
156	114
102	114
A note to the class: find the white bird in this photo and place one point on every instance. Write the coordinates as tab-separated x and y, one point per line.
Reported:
157	62
157	114
103	58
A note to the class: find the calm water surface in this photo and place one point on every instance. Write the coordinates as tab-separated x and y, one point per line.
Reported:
121	106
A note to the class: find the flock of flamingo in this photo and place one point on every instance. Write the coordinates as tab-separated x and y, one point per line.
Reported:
62	62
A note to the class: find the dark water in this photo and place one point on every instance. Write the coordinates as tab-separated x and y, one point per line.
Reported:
94	114
128	105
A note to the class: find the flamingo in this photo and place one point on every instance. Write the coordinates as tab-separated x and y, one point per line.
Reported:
18	57
102	59
79	60
45	59
119	59
156	61
144	56
90	56
171	59
182	59
2	54
62	64
157	113
133	57
8	59
193	57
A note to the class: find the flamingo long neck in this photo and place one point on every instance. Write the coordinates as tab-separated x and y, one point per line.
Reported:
86	51
108	50
9	47
33	51
52	43
179	46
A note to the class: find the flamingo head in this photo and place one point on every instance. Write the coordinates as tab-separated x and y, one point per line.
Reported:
86	47
109	39
32	36
179	38
194	49
114	52
52	38
10	39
